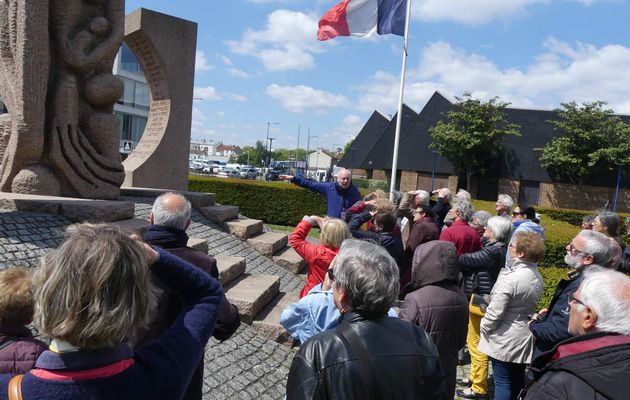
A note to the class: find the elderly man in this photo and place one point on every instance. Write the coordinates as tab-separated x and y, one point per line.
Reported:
550	326
442	206
340	195
594	363
504	205
368	355
170	217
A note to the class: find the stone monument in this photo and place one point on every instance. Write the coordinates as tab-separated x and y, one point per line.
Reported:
165	48
60	136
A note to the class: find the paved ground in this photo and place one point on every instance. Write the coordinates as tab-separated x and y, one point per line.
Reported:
247	366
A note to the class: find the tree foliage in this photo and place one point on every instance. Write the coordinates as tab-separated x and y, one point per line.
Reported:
256	154
348	146
472	135
592	140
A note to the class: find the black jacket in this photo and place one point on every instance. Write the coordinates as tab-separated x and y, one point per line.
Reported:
441	208
482	267
391	242
592	366
404	363
553	328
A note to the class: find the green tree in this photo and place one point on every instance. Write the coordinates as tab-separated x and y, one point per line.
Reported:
472	135
347	147
255	155
592	140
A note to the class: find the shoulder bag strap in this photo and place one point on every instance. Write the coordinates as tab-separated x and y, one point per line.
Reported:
15	387
364	364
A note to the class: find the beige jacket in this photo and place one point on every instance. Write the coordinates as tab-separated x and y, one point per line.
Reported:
505	335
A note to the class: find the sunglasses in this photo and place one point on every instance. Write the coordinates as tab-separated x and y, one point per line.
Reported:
330	273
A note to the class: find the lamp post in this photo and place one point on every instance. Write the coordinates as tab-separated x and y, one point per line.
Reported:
433	170
617	187
308	147
270	143
266	141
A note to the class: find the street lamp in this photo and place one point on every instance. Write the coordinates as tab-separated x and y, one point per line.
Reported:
308	147
266	141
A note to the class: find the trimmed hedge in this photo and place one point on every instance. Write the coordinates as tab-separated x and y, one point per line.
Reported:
278	203
551	277
371	184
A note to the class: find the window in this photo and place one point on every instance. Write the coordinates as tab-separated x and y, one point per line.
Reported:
128	60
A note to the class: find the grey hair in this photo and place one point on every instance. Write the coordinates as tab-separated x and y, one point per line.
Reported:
422	198
597	245
506	200
611	221
368	275
603	290
177	219
94	290
463	195
501	228
480	218
464	209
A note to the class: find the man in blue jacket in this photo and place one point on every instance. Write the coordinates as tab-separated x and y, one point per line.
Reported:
340	195
551	326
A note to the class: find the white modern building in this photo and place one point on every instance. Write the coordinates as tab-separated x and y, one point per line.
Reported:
133	107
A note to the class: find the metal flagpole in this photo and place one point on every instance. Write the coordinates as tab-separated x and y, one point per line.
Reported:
400	103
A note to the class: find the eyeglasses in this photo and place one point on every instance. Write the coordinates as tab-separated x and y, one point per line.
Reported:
330	273
573	299
575	251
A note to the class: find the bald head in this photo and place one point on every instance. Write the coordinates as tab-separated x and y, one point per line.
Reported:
344	177
172	210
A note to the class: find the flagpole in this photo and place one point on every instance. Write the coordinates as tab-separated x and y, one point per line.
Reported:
400	103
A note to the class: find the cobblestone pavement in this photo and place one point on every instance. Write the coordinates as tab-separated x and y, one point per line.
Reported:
247	366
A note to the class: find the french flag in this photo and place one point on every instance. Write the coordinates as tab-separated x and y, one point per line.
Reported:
362	17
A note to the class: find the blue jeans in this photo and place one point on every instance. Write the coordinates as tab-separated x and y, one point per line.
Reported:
509	379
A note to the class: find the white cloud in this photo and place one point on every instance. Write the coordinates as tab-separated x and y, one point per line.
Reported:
237	97
287	42
201	62
238	73
225	60
471	12
298	98
208	93
220	114
562	72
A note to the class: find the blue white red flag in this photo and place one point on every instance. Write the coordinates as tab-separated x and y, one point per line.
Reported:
363	17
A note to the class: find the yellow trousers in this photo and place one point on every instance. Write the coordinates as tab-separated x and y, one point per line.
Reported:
478	360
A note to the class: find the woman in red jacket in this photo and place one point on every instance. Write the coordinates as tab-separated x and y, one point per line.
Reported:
318	257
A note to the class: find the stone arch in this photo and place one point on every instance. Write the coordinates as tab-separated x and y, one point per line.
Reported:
165	48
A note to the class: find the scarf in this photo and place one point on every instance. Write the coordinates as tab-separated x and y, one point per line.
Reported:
166	237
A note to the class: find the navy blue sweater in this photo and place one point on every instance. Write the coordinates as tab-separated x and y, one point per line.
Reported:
337	198
160	370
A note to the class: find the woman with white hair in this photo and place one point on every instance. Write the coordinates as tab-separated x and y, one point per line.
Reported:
92	295
480	270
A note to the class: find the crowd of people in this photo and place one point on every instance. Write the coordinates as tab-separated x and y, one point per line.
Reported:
394	291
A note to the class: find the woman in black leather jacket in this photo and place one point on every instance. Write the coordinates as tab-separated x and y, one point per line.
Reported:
480	270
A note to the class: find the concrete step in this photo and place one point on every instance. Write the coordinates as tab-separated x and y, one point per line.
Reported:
268	243
218	213
198	244
244	228
290	259
229	268
251	293
197	199
137	225
267	322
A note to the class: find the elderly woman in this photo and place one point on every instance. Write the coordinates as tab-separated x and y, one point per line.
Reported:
480	270
92	295
505	336
318	256
437	304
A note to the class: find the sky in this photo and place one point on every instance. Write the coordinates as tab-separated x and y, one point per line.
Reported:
259	62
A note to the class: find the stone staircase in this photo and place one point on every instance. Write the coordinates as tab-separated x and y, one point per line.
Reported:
257	297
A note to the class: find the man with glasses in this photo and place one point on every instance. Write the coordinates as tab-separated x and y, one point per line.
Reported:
550	325
593	363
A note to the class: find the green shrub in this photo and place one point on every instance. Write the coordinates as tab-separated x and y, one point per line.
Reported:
279	203
370	184
551	277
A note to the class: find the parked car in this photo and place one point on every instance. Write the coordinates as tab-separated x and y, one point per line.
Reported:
249	173
272	175
229	173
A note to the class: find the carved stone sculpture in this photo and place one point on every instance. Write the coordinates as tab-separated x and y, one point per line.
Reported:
61	134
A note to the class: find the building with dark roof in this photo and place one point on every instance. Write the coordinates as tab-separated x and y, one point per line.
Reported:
517	172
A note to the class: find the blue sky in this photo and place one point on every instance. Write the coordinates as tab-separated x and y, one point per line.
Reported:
259	61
